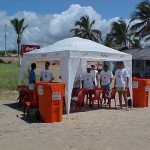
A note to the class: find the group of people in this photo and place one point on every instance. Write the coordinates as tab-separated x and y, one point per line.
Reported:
46	75
90	80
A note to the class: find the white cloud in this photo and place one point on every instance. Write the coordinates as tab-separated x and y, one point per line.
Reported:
47	29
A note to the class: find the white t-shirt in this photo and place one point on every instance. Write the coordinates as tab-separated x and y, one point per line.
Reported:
95	72
46	75
77	81
88	79
121	75
105	77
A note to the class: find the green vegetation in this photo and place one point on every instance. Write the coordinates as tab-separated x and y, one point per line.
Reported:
142	14
123	33
9	76
8	53
83	29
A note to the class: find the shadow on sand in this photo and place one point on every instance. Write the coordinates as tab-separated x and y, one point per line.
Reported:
31	119
86	109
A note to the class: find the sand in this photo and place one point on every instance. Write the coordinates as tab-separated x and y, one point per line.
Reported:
101	129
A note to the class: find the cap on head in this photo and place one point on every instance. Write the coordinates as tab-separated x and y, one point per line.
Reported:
88	67
92	65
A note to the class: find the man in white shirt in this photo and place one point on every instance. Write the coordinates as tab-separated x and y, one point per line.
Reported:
88	81
105	81
46	74
95	73
121	83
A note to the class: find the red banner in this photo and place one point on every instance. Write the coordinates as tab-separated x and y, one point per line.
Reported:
28	48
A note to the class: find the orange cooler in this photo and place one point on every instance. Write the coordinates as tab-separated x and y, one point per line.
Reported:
51	101
140	92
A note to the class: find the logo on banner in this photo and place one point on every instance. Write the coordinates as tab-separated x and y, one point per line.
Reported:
29	48
57	54
43	55
104	55
121	56
85	54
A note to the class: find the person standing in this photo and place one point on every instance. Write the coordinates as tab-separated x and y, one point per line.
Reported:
31	77
88	81
105	81
121	83
46	74
95	73
77	83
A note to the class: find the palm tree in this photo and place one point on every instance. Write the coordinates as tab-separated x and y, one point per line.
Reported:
109	40
142	15
136	44
19	28
120	33
84	29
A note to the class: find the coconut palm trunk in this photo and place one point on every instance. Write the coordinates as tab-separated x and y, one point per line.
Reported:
19	56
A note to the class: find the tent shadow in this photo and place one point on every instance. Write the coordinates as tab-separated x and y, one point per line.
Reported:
30	119
72	109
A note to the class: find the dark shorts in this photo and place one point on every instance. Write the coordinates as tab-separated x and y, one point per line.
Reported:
106	87
75	91
90	92
76	88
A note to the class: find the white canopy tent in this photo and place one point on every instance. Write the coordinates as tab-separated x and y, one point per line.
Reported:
73	54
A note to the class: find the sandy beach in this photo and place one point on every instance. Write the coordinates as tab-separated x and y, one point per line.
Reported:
101	129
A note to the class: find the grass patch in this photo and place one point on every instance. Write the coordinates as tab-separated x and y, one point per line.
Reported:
9	76
8	95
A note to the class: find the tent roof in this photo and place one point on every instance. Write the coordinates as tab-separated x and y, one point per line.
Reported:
77	47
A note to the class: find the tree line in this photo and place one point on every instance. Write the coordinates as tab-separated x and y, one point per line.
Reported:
122	34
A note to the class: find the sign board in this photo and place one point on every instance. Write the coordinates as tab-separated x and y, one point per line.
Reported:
29	48
147	88
135	85
56	96
40	90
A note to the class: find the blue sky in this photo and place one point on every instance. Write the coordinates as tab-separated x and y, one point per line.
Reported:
107	8
51	20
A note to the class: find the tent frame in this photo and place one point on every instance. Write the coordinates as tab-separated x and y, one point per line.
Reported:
73	54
